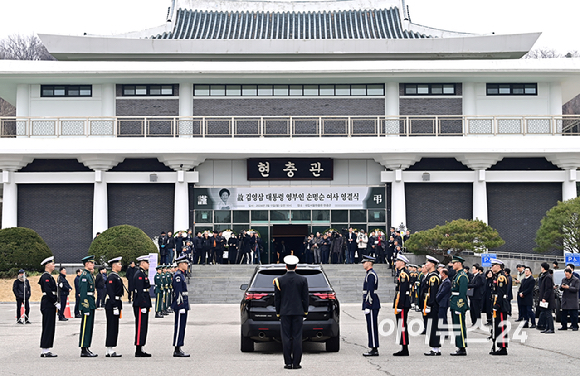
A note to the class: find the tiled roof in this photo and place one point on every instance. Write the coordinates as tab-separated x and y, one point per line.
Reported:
347	24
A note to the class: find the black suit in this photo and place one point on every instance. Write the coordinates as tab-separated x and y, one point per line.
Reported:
476	301
291	300
443	296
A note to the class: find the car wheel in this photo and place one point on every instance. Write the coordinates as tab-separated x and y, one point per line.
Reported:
246	344
333	344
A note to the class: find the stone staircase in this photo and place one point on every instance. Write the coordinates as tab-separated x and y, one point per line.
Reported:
219	284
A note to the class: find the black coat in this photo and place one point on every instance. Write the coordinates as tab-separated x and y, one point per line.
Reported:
142	297
130	274
20	287
100	282
115	291
170	243
478	285
48	288
444	293
527	288
547	290
64	288
291	294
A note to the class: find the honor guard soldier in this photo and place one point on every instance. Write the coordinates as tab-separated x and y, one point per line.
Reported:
413	281
500	306
141	305
291	300
48	307
159	292
165	283
430	289
169	292
371	305
87	307
114	306
180	305
458	305
402	304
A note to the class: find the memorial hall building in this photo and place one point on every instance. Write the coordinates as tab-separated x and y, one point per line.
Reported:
287	117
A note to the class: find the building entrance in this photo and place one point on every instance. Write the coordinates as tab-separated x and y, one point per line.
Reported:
287	240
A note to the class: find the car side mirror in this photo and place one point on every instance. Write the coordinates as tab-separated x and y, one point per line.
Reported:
244	286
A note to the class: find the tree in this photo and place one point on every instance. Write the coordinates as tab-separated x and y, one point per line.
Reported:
124	240
549	54
18	47
560	228
22	248
458	235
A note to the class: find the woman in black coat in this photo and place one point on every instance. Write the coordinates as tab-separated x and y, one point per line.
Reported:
547	296
487	296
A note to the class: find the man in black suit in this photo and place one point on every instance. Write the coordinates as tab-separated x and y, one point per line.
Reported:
443	295
350	246
291	300
477	284
526	296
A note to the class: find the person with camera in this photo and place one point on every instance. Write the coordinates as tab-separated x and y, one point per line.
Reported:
362	241
569	286
21	290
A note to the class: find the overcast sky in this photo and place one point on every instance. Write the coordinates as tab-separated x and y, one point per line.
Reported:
557	19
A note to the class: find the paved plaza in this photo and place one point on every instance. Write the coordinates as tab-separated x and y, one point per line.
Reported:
213	334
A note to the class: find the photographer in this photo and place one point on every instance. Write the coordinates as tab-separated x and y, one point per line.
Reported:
21	290
361	241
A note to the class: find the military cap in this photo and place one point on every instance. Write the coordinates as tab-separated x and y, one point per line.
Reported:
47	260
90	258
402	258
458	259
291	260
367	258
496	262
159	267
143	258
116	259
181	259
432	260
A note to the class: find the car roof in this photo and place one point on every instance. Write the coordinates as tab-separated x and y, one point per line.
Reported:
283	266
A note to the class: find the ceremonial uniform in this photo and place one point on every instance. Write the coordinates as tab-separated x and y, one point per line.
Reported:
180	306
64	288
431	307
87	308
401	305
159	280
113	307
413	282
458	305
291	301
371	305
48	308
500	306
141	306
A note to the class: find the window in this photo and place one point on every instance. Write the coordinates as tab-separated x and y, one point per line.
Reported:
512	89
149	90
66	91
326	90
429	89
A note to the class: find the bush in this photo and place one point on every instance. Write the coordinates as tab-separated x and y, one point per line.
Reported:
127	241
22	248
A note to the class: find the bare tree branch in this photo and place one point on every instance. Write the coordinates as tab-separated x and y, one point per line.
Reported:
17	47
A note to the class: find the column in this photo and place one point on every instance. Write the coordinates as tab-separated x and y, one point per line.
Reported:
108	97
181	211
398	208
392	108
480	196
9	200
185	126
23	100
569	185
469	106
100	203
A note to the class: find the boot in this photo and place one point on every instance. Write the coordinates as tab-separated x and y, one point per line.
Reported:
139	353
158	315
501	351
178	353
404	351
86	353
460	352
373	352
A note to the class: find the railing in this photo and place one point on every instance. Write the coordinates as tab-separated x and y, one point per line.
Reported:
288	126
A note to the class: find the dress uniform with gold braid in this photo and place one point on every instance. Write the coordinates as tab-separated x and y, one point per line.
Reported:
141	305
180	305
87	308
371	306
402	304
413	279
500	306
431	307
458	305
113	307
48	307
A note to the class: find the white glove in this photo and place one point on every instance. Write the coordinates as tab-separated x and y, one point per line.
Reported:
87	313
367	311
143	310
182	311
57	305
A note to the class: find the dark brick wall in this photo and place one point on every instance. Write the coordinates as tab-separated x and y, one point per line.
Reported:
55	165
148	107
146	206
431	204
289	107
62	214
430	106
516	209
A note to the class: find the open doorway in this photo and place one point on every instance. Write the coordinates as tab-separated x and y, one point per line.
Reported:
286	240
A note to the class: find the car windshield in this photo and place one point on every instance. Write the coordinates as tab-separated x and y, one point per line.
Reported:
558	276
265	278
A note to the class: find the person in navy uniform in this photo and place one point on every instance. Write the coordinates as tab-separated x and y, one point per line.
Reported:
141	305
180	305
500	306
78	295
88	307
114	306
48	306
64	288
402	304
371	305
291	301
431	284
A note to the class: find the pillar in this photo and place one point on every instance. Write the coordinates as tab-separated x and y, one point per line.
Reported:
23	100
9	200
398	209
569	185
392	125
100	203
108	97
186	99
480	196
181	211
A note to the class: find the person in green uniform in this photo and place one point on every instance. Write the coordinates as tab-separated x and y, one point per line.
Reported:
87	306
164	283
168	279
458	305
159	293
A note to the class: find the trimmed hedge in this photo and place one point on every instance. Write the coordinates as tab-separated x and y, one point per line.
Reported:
127	241
22	248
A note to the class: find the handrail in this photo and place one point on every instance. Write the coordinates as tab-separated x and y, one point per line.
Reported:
269	126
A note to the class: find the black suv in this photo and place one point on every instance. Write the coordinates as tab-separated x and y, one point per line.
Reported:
258	314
